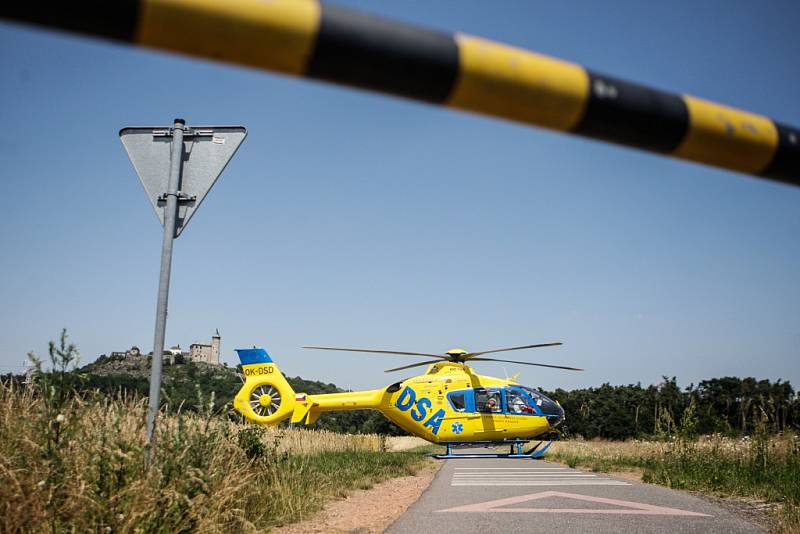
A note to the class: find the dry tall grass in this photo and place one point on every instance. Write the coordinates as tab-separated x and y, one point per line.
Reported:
310	441
405	443
79	468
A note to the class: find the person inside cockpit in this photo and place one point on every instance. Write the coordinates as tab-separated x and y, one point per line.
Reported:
517	403
488	401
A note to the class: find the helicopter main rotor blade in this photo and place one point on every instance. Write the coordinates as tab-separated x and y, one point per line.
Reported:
527	363
473	354
419	364
371	351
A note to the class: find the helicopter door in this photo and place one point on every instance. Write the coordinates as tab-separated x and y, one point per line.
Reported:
519	407
489	404
488	401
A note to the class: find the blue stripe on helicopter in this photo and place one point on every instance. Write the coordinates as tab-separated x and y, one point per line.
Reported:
253	356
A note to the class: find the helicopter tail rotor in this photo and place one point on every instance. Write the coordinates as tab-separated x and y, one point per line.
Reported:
265	397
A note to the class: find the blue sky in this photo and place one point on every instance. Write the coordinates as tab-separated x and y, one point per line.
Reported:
354	219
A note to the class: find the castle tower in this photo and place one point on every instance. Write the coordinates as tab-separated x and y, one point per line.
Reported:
215	340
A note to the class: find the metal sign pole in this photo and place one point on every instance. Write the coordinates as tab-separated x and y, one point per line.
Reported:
170	227
177	166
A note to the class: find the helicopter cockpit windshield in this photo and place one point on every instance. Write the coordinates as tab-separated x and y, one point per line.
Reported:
548	407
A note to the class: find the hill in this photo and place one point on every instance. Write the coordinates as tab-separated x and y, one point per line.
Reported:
192	384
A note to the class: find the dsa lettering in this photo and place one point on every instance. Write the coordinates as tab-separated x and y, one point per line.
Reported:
419	409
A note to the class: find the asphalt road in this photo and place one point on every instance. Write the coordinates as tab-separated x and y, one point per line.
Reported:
511	496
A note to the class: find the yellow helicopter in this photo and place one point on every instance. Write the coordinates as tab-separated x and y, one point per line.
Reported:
450	404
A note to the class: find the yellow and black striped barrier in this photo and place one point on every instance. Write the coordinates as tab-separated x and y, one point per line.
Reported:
304	38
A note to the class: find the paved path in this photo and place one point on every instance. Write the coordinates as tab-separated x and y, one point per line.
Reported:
512	496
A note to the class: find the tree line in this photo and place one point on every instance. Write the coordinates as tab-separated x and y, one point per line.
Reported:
727	405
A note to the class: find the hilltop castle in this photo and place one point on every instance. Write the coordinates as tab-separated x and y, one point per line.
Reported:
198	352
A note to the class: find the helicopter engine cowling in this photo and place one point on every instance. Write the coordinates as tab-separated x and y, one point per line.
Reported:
266	397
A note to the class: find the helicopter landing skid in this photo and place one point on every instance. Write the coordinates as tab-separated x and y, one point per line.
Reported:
537	451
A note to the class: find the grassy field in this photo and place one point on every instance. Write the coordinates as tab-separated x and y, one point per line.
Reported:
75	463
762	467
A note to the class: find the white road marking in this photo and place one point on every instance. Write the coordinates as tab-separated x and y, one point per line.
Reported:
521	475
524	473
629	507
607	482
514	469
528	476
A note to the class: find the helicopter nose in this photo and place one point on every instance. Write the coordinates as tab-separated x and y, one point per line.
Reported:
554	411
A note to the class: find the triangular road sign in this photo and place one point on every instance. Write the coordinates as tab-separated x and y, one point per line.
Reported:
627	507
206	152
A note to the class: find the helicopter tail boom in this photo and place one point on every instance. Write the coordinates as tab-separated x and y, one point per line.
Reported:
267	398
310	407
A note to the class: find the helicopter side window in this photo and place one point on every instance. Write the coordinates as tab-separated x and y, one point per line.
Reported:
518	403
488	401
457	401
